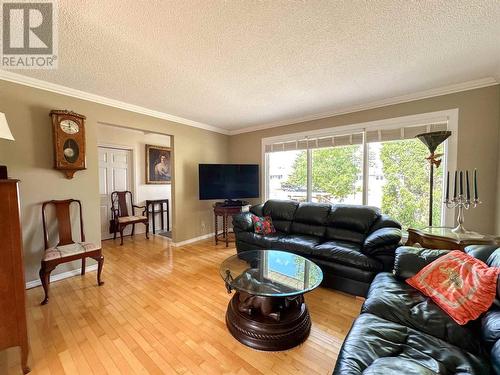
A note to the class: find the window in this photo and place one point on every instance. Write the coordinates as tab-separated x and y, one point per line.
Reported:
346	162
285	180
398	181
384	166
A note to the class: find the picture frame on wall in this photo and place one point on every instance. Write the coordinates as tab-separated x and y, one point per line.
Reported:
158	165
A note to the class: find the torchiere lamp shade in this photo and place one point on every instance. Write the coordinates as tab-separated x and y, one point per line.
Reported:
433	139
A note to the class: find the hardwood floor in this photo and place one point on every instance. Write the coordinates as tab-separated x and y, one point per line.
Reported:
161	311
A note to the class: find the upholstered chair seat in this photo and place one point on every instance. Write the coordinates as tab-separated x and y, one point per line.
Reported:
59	252
131	219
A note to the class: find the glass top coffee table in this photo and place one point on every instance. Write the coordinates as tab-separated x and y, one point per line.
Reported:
268	310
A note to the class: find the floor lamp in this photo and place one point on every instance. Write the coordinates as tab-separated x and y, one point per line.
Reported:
432	140
4	134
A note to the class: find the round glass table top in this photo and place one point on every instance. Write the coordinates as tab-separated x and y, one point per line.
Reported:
270	273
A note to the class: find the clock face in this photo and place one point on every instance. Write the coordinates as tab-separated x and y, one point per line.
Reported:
69	126
71	150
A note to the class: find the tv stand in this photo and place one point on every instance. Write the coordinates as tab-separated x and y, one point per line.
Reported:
234	203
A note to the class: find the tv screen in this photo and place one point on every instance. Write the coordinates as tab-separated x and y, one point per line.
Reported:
228	181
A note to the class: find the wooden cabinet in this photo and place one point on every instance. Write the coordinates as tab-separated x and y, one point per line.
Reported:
13	330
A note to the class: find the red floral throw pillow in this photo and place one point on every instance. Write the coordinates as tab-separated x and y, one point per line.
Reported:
463	286
263	225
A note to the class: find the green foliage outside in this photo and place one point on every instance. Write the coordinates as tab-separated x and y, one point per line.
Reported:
335	171
406	189
405	193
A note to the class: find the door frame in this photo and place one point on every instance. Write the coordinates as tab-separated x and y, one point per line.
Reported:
135	181
132	166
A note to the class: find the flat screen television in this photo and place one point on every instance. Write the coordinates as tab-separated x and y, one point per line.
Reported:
228	181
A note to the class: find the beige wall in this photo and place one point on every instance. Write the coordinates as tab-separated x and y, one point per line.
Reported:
30	159
498	181
478	140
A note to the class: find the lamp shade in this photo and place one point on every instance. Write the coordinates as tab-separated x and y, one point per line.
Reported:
4	128
433	139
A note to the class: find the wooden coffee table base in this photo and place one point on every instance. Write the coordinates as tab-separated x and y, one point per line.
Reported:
268	323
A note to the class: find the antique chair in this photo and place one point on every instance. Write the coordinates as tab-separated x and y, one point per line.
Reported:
122	217
66	250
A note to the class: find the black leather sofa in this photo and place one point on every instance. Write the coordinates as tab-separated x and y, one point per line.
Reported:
400	331
351	244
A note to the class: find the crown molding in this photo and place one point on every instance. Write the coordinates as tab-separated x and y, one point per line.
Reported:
63	90
450	89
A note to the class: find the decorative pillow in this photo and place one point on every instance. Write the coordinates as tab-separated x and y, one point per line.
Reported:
463	286
263	225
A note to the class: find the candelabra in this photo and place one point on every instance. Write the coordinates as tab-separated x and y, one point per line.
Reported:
462	203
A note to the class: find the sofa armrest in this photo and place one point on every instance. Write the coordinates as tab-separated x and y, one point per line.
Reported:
481	252
257	209
382	241
410	260
243	222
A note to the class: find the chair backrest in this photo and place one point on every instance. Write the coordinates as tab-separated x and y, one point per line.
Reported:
63	217
119	204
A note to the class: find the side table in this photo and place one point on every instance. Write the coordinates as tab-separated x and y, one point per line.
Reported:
153	203
444	238
221	209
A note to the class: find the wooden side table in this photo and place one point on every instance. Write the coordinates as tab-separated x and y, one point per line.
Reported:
220	209
153	203
444	238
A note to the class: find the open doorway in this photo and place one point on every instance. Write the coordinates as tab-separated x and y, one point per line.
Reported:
123	165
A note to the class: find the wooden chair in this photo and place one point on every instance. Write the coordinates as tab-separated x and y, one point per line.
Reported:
122	217
66	250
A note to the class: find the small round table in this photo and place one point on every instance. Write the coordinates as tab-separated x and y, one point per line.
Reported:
268	310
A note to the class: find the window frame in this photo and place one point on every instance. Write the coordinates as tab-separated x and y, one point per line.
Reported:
449	160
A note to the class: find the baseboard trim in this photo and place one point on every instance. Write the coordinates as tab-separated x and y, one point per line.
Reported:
196	239
61	276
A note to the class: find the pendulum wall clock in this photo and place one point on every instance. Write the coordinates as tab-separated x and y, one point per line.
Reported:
68	130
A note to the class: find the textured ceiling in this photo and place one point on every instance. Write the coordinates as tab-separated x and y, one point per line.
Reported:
234	64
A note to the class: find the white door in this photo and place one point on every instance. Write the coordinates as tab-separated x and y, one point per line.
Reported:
115	174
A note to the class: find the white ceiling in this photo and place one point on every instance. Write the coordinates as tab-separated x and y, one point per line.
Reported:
238	64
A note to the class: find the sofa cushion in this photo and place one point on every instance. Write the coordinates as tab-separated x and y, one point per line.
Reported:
410	260
312	213
347	253
397	366
299	243
490	326
384	221
461	285
353	217
495	357
263	225
398	302
373	337
381	239
344	271
282	212
269	241
350	222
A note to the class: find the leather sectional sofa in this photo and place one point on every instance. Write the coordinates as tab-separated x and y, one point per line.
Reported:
400	331
351	244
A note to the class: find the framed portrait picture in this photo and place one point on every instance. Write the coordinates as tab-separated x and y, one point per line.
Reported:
158	165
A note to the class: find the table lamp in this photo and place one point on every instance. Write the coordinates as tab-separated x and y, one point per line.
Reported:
4	134
432	140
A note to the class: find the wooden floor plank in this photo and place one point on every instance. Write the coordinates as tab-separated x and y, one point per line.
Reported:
162	311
